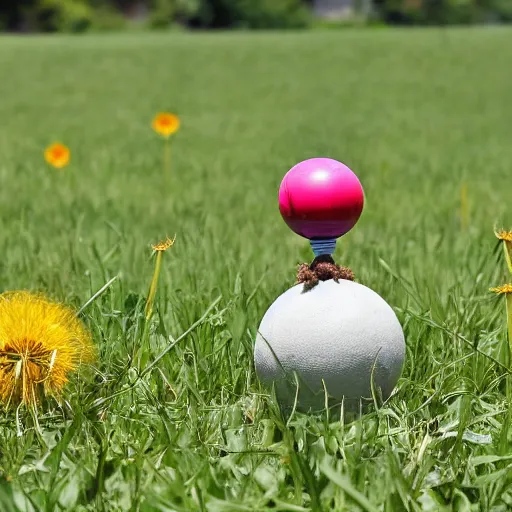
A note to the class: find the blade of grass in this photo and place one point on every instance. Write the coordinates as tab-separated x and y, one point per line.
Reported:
97	294
346	486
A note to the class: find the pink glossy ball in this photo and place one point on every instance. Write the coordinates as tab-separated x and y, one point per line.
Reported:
321	198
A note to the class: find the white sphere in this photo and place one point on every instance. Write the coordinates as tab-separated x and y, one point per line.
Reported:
339	333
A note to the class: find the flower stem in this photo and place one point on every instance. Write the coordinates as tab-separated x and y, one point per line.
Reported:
154	284
507	247
167	155
508	299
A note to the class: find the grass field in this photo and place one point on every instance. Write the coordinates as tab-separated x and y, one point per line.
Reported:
416	114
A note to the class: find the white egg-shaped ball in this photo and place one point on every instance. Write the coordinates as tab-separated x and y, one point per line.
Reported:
337	333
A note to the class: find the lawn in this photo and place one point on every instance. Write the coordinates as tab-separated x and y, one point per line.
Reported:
417	114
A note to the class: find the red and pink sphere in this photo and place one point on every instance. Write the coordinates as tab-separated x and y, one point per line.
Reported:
321	198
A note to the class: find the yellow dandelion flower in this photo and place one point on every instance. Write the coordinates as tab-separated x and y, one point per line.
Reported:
506	236
506	288
57	155
41	342
166	124
164	244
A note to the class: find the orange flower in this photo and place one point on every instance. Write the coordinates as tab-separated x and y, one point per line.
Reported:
57	155
166	124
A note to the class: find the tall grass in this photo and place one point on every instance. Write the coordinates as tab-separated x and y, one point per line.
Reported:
182	423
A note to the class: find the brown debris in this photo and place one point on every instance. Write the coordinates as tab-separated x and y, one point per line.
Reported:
322	268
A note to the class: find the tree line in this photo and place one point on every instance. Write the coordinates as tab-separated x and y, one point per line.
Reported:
83	15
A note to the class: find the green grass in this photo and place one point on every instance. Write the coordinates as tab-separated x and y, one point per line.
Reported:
416	114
